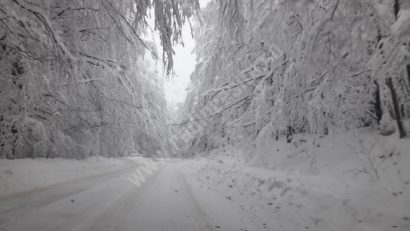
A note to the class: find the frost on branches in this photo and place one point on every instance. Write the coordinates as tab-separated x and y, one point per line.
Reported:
299	67
73	81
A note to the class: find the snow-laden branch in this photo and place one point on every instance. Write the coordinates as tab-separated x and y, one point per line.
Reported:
48	26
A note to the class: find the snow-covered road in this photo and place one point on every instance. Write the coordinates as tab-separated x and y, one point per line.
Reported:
112	202
220	192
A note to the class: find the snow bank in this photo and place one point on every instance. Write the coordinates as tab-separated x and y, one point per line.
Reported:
28	174
351	181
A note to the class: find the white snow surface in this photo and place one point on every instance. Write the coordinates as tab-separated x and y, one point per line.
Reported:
164	202
355	180
29	174
351	181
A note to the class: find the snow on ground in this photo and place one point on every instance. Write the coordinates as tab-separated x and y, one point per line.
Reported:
111	202
28	174
351	181
358	181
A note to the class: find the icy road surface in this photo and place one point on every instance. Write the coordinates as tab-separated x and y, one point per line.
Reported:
165	201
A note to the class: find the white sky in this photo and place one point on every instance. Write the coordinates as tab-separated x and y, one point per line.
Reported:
184	65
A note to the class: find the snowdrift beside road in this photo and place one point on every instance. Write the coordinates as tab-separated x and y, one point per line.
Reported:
351	181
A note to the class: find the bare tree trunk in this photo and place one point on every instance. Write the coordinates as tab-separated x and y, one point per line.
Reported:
402	132
396	8
377	103
289	134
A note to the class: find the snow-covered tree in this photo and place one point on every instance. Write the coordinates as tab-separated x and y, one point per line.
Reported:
76	79
286	67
